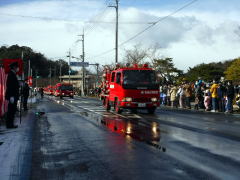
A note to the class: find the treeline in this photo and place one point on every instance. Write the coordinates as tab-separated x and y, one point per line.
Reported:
209	71
165	67
229	70
39	63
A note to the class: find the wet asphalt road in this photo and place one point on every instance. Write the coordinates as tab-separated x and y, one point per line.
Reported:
78	139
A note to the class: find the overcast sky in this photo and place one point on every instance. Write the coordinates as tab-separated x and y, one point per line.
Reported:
206	31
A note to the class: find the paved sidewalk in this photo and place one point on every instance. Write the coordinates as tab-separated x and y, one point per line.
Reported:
16	147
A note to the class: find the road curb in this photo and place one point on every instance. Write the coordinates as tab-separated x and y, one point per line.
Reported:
199	111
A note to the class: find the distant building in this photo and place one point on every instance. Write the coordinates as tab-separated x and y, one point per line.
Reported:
76	80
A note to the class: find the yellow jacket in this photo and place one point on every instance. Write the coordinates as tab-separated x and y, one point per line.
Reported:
213	91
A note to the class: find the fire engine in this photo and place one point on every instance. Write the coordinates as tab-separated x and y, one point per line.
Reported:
63	89
130	88
49	90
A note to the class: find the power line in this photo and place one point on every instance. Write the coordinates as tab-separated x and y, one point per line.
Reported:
96	18
42	18
130	22
91	27
159	20
103	53
76	21
147	28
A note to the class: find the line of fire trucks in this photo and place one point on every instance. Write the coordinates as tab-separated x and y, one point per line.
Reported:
60	90
131	87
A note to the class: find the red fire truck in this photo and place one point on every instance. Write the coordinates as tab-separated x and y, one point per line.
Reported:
49	90
63	89
130	88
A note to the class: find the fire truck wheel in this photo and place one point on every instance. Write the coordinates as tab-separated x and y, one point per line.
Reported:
107	105
151	110
117	108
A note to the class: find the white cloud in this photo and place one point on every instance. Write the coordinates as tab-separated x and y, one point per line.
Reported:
190	37
204	44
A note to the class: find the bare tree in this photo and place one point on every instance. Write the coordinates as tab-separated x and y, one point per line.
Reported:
137	55
153	52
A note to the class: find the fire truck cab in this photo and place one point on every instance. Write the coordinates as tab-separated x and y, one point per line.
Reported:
64	90
131	88
49	90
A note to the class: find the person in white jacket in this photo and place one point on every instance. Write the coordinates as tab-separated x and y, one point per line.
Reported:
181	95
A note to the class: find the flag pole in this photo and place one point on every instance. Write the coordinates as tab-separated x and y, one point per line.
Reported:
21	90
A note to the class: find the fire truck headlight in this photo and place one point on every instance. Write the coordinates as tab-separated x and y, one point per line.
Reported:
127	99
154	99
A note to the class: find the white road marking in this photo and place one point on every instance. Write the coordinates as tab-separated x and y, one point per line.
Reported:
98	110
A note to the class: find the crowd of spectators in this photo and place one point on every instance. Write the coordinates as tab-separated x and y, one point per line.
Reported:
214	96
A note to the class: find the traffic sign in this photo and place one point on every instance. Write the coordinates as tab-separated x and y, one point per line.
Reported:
81	64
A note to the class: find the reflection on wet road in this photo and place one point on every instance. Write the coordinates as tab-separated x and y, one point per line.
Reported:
171	144
147	132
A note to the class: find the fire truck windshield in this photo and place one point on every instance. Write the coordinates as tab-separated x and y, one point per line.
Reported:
139	79
66	88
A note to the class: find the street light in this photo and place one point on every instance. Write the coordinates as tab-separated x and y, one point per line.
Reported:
77	58
69	70
83	77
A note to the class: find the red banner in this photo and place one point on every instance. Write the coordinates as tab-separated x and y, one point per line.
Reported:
3	102
30	82
7	62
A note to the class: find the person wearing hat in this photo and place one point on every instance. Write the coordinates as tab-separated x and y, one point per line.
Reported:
12	94
25	93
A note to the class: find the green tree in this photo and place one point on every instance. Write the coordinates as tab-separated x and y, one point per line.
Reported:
39	63
207	72
166	68
233	71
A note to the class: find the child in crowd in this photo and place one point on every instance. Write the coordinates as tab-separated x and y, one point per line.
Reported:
207	100
196	103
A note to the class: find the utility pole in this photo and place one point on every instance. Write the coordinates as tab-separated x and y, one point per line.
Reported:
60	71
55	74
69	69
97	73
116	41
83	69
50	75
36	78
29	68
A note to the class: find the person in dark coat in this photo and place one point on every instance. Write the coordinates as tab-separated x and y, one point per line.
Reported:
199	95
41	92
230	96
25	93
221	92
12	94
